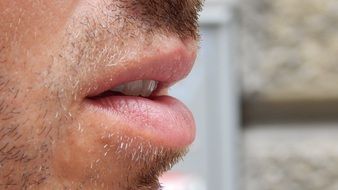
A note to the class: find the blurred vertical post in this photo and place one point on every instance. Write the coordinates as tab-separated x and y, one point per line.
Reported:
218	34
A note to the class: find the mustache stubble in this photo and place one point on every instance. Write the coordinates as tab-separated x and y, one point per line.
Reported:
170	16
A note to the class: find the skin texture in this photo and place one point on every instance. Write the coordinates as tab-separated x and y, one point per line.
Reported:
49	50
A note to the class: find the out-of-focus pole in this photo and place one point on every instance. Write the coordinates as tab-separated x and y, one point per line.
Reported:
218	22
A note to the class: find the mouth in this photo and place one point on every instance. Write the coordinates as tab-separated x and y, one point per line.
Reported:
134	99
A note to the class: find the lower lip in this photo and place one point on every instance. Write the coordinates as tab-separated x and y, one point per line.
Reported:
162	120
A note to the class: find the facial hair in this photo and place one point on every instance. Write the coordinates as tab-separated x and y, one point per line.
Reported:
93	40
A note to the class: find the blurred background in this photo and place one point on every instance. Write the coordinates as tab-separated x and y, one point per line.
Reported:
264	93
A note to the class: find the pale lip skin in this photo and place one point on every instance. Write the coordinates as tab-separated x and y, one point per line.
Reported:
160	119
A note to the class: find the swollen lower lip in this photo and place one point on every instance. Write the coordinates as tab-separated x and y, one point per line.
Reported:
163	120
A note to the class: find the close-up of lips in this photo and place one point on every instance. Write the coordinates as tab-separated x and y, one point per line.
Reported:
138	97
84	92
168	94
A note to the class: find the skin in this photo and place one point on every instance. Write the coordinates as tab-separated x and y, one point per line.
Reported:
48	48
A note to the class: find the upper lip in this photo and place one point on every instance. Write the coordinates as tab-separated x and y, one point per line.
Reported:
166	61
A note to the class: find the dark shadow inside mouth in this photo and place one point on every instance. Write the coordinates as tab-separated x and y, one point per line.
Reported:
110	93
106	94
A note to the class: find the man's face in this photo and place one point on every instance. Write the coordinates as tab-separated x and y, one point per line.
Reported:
83	87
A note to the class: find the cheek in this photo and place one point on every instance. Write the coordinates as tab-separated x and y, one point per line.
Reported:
26	128
33	21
